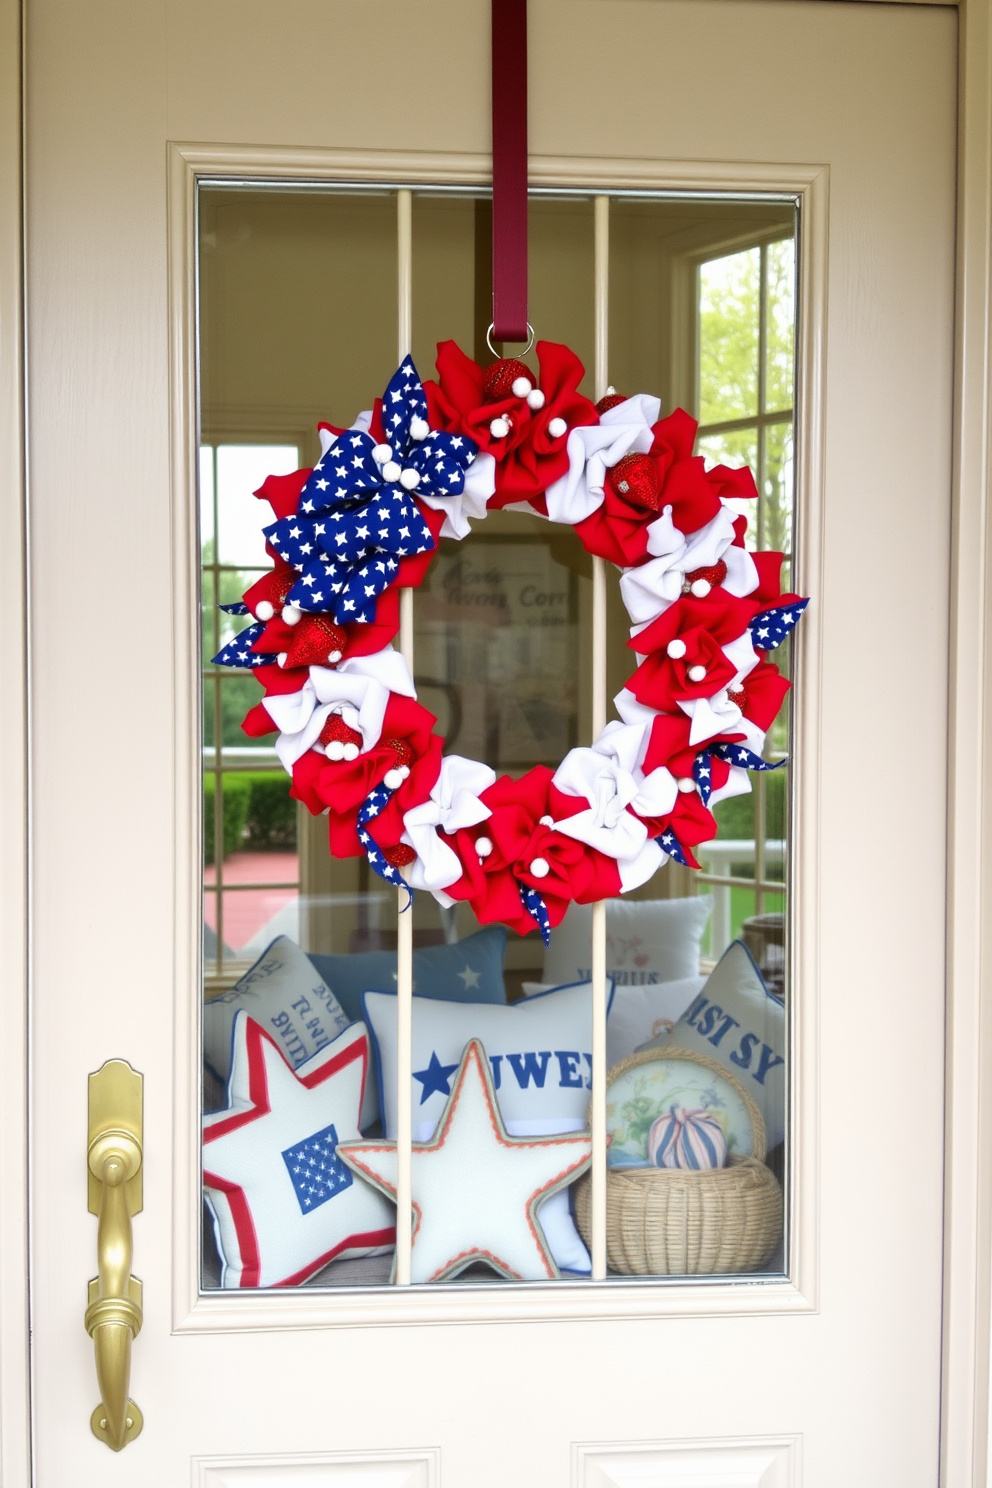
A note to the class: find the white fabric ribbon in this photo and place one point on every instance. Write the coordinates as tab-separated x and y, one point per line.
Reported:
591	451
362	683
648	590
599	775
453	804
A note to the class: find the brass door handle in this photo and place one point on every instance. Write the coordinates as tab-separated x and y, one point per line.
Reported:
113	1314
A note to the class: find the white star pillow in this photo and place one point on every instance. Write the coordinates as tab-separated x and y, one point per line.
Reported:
477	1191
284	1203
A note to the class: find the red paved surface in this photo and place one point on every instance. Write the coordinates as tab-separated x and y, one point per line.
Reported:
247	910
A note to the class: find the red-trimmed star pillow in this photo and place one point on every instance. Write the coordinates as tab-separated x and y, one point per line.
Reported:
284	1203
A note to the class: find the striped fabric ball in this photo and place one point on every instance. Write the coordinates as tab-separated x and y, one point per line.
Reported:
686	1139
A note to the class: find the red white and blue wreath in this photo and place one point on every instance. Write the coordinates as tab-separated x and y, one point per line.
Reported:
365	522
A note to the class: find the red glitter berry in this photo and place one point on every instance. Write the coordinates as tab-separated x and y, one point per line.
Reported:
737	696
714	574
610	400
402	750
400	856
314	640
635	479
336	728
500	377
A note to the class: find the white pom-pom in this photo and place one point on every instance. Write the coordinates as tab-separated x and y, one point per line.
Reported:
686	785
419	428
382	453
335	749
264	610
676	649
282	658
547	821
540	868
291	614
535	399
334	657
409	478
696	673
391	471
499	428
557	427
610	391
483	846
700	588
350	750
404	771
521	386
392	780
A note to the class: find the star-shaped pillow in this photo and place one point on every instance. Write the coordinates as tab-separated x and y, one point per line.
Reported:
284	1203
477	1191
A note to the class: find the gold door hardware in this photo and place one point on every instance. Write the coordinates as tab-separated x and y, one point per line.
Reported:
113	1316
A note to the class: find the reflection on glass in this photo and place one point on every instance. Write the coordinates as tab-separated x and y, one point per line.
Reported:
297	326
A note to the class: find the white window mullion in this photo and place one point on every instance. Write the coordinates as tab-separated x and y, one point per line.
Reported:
404	921
597	1113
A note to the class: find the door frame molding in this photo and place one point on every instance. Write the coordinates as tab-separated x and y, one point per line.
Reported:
968	1051
196	1312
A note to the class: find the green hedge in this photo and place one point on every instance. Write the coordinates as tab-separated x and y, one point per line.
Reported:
272	813
258	812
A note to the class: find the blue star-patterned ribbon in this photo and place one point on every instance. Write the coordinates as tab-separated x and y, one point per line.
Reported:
770	628
702	774
737	754
238	652
670	844
240	608
370	807
355	517
347	558
537	909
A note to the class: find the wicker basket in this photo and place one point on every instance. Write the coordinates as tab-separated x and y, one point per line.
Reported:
676	1222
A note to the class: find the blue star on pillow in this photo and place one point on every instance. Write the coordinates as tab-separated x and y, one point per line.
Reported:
284	1203
436	1078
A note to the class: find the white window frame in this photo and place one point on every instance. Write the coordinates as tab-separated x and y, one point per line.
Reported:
196	1311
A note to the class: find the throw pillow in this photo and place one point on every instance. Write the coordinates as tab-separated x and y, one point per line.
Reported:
285	995
539	1052
284	1204
469	970
639	1013
737	1021
647	941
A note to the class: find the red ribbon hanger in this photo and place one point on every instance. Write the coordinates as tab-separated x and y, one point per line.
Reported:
509	21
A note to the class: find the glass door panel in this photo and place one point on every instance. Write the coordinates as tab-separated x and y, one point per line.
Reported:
297	294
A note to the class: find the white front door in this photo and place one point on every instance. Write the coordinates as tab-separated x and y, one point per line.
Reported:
824	1367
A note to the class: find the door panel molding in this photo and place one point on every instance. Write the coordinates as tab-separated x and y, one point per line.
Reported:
418	1469
308	1308
751	1462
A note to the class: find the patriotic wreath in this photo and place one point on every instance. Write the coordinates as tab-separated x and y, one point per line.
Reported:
365	522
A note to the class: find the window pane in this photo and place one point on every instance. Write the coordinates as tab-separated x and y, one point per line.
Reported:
729	291
781	333
776	514
241	469
298	326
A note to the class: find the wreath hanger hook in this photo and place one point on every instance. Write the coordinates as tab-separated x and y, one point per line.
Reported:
527	348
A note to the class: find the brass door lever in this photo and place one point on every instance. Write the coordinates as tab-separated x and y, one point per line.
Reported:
113	1316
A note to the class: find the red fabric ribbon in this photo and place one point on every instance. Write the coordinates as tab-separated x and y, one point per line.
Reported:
509	20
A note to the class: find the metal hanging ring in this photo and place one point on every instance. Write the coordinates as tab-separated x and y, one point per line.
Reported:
489	343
